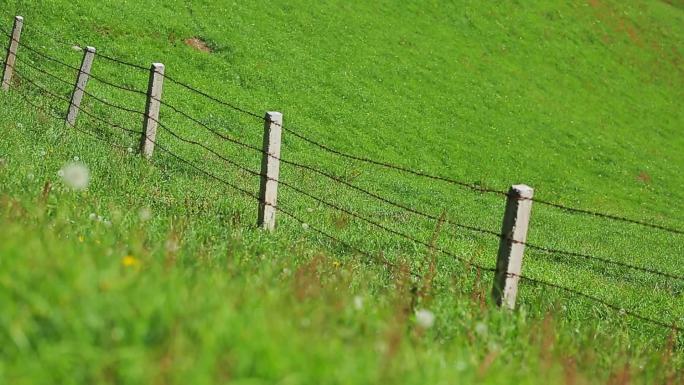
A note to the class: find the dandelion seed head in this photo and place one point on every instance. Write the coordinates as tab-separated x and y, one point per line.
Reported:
130	150
358	302
42	152
172	245
481	329
145	214
75	175
461	366
425	318
493	346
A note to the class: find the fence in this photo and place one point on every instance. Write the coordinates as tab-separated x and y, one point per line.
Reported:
519	199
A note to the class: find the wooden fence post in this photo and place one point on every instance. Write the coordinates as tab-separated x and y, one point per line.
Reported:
12	53
270	170
81	83
512	245
154	93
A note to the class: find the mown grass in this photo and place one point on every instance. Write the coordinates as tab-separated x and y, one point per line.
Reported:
580	101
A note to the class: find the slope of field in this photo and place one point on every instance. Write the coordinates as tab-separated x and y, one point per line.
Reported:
156	274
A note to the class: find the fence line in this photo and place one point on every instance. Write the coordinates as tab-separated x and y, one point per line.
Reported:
535	281
348	212
387	165
352	186
380	198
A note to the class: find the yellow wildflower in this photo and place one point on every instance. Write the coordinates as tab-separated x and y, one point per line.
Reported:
336	264
129	261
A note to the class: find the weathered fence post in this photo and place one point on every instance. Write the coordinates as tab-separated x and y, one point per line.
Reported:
81	83
12	53
154	93
270	170
512	245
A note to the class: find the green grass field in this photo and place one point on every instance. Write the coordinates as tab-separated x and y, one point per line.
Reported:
157	274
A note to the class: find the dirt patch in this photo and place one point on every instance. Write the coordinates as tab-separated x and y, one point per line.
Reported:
616	22
198	44
644	177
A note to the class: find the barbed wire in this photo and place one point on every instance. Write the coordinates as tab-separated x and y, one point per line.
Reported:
254	173
59	97
341	181
429	216
367	192
536	281
99	99
58	116
619	309
421	213
471	186
69	66
122	62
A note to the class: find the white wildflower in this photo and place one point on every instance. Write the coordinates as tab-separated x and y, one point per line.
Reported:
461	366
425	318
305	226
75	175
172	245
76	159
358	302
130	150
481	329
145	214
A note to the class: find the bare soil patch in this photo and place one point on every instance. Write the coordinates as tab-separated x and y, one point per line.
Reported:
198	44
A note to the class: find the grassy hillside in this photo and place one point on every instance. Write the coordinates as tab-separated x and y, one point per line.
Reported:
156	273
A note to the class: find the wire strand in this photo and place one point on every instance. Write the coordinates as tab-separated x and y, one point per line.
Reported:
614	307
